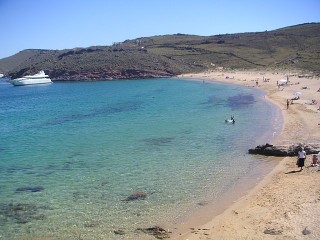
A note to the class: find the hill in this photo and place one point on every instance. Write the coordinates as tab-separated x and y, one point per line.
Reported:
294	47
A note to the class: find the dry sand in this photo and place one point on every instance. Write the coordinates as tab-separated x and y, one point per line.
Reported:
286	203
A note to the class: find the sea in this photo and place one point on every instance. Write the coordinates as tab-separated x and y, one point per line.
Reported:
74	155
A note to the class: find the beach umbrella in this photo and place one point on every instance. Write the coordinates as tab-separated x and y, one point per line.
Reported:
282	82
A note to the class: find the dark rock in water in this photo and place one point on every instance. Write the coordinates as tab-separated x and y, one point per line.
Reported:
161	141
79	195
119	232
202	203
272	231
106	110
157	232
285	150
20	213
136	196
30	189
240	101
92	224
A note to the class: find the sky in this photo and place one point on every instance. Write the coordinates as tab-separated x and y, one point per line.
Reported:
66	24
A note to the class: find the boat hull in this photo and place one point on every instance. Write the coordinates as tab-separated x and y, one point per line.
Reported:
39	78
23	82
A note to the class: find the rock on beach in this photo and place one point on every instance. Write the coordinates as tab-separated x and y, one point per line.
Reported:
285	150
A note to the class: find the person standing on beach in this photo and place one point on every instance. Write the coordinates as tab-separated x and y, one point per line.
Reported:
301	158
288	103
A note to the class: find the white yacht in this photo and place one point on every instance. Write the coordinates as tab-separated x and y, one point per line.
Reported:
38	78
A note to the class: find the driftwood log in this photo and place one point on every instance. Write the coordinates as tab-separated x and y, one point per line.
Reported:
285	150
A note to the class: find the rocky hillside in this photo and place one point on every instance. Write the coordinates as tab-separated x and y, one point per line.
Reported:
164	56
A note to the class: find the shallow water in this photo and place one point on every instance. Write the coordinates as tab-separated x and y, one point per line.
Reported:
70	153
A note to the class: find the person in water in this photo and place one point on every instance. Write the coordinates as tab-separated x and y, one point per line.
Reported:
230	120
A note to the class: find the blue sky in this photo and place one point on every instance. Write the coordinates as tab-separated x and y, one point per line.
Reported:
61	24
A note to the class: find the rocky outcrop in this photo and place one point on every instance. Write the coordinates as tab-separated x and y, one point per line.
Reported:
101	74
285	150
172	55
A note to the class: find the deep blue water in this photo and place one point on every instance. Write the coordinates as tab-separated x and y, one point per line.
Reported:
70	153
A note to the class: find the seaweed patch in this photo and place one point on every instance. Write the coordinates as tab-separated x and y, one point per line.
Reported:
240	101
107	110
20	213
31	189
158	141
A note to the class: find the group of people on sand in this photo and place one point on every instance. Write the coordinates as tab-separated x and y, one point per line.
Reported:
302	155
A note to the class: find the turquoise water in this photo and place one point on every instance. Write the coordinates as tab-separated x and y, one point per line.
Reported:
71	153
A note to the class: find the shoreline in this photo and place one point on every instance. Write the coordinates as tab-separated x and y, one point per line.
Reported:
280	205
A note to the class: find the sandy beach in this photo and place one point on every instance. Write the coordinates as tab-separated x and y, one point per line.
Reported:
286	203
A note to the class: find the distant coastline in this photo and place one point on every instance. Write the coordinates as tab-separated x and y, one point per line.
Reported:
289	48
